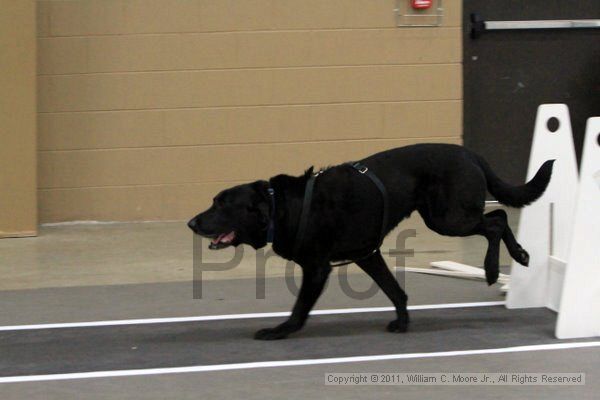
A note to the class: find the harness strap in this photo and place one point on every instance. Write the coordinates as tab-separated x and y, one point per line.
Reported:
308	192
363	169
271	226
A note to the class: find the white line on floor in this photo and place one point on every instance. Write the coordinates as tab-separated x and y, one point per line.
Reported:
291	363
239	316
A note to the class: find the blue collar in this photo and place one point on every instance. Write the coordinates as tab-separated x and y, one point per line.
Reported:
271	226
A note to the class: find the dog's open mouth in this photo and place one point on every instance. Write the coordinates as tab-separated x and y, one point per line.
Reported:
221	241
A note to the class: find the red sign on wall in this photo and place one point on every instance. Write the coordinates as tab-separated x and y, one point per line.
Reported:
421	4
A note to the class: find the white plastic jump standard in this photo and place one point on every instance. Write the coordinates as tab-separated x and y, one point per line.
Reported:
545	226
579	314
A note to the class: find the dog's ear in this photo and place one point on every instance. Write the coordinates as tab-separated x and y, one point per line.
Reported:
263	207
261	187
262	203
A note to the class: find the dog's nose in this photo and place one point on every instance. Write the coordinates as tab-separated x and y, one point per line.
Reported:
192	224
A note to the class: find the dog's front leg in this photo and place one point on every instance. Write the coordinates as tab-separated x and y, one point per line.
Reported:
313	281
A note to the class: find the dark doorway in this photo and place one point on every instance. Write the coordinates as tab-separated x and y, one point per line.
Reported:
508	73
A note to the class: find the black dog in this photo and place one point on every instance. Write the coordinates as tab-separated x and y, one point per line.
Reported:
445	183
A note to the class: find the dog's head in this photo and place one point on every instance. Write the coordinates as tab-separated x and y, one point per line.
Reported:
238	215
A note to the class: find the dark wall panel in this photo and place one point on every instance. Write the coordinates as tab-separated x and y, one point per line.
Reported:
507	74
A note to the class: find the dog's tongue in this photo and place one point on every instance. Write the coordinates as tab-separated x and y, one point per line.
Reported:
224	237
218	238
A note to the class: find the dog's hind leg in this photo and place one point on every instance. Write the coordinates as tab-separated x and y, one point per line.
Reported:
377	269
313	282
493	228
515	250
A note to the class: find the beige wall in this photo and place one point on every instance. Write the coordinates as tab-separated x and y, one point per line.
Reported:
148	107
18	208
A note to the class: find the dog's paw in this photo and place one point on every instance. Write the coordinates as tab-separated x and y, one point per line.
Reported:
398	326
270	334
491	275
522	257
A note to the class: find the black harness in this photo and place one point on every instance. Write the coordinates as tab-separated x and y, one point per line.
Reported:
271	226
306	202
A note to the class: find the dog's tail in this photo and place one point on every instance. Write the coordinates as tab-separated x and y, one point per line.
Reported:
517	196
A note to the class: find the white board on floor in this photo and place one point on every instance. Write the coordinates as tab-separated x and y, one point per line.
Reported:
579	314
530	286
